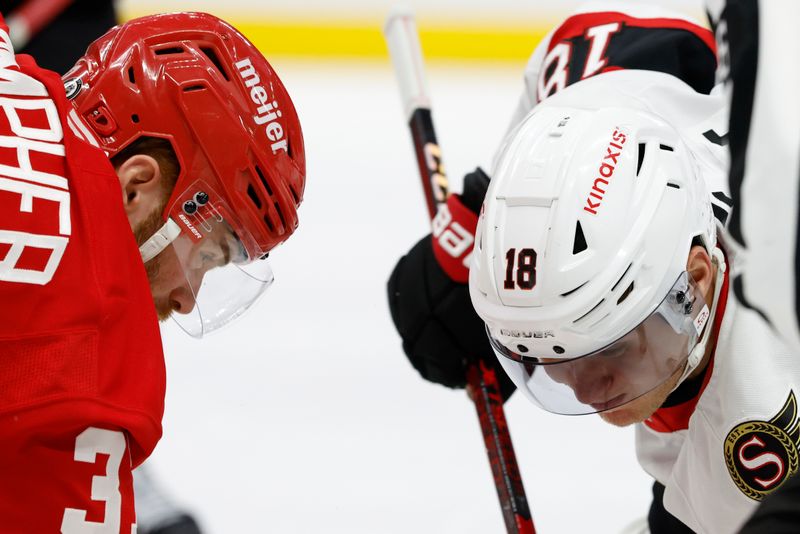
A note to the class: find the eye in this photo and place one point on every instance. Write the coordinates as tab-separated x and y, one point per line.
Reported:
615	352
209	257
238	254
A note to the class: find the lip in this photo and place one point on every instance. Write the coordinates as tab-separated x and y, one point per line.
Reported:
609	404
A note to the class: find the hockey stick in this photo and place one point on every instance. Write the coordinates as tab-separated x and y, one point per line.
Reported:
404	48
29	19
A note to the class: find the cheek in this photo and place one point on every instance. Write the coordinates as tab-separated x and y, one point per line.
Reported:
558	373
164	273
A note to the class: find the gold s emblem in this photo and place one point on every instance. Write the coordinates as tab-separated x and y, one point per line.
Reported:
760	455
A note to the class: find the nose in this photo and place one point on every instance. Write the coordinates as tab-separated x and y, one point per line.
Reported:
592	384
182	297
181	300
593	390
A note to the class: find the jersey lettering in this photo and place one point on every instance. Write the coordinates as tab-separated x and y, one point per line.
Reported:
452	236
556	66
88	445
599	37
33	135
555	62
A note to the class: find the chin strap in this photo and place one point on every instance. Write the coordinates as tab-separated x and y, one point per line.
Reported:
699	350
160	240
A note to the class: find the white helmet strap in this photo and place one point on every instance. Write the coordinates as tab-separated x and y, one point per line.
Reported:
699	350
160	240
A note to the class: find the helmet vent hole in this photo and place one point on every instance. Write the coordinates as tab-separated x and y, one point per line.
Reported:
522	348
170	50
579	244
251	192
269	223
571	291
263	180
295	196
642	147
135	118
212	56
622	277
667	148
280	214
673	185
579	319
131	75
625	294
192	88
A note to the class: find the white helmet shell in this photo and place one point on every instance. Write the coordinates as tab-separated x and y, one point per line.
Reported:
587	224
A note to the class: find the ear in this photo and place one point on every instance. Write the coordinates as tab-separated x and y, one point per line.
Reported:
700	267
142	187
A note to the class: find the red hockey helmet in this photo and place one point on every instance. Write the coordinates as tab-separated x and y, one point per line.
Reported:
194	80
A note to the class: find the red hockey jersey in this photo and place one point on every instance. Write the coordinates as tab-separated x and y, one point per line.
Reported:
82	373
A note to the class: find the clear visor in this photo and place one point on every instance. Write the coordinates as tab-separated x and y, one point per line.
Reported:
637	363
206	277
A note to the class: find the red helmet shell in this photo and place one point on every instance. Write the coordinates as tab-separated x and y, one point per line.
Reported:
194	80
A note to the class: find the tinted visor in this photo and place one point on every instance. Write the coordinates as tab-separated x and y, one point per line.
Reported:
621	372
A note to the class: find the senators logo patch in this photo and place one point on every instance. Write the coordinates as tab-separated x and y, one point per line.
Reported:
760	455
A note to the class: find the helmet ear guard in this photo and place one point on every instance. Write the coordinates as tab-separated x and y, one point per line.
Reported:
697	352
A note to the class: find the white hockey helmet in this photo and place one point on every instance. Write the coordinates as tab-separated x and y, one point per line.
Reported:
581	249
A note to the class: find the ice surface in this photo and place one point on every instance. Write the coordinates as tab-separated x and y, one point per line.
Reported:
304	417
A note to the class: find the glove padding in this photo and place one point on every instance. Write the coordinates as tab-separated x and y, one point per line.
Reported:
433	314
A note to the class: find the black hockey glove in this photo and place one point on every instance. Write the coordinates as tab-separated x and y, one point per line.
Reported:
429	298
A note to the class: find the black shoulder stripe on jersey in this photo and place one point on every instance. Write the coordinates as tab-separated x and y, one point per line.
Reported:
741	19
797	262
720	214
716	138
674	51
722	197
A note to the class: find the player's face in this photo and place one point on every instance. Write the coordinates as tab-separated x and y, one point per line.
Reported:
615	378
643	407
168	285
177	272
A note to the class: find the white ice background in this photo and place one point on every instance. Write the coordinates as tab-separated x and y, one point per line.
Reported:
305	417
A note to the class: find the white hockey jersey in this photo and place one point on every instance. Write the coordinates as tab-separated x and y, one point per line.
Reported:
721	452
736	440
758	49
740	440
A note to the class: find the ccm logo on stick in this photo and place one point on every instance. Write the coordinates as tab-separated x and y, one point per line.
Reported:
267	112
605	171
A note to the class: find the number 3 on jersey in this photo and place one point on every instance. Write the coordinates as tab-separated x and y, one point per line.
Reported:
520	269
88	445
